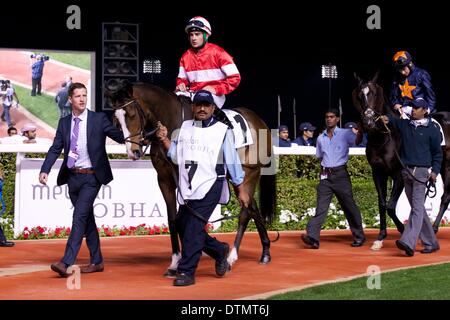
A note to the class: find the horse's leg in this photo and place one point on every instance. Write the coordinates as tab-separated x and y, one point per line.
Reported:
244	218
169	197
380	179
262	231
397	189
166	182
445	199
252	179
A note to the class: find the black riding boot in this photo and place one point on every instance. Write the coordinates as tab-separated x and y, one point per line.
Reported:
222	117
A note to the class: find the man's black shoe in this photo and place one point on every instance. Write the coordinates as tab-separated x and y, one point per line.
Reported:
222	265
358	243
403	246
429	249
183	279
6	244
314	244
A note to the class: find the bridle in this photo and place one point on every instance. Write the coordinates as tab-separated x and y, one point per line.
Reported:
369	110
142	133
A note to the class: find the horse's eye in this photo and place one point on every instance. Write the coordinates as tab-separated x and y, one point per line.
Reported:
130	112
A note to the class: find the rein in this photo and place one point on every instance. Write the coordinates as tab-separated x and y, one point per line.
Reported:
142	133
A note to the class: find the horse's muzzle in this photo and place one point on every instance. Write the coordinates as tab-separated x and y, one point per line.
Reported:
137	154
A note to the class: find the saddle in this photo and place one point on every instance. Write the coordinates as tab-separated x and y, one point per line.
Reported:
241	129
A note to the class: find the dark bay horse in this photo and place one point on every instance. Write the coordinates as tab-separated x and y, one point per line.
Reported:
142	106
382	146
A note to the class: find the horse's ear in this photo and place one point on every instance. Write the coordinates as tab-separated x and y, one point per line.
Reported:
375	77
360	81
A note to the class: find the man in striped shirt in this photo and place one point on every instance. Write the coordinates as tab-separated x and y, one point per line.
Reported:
206	66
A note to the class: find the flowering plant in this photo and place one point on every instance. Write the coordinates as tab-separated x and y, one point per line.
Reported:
335	218
104	231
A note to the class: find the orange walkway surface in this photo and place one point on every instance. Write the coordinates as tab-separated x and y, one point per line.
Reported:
134	267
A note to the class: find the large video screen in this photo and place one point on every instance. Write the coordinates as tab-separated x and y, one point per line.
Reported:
43	106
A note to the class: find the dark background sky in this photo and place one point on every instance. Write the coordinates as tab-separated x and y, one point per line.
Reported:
278	48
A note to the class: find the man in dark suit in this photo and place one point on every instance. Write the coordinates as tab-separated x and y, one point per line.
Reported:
85	168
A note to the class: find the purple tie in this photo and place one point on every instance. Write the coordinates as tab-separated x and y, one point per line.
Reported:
73	142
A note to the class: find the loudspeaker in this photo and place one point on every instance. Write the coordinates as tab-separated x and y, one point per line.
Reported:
120	56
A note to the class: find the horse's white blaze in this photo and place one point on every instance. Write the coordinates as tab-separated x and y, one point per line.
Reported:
175	260
232	257
377	245
365	91
120	115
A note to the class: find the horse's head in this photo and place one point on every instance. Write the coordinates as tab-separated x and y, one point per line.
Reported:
133	119
368	98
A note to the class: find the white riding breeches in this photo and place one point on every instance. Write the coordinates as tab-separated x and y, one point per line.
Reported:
218	100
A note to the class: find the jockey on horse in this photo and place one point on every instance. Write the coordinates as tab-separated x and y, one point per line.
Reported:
411	83
206	66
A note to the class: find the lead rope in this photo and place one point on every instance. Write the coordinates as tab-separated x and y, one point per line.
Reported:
430	185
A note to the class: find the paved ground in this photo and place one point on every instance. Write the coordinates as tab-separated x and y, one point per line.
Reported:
134	267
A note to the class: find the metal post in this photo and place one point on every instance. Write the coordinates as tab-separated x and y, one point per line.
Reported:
295	119
279	110
329	93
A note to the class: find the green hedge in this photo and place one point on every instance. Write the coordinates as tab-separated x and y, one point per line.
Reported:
297	179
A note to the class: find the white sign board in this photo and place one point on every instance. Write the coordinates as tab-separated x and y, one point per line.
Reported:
131	199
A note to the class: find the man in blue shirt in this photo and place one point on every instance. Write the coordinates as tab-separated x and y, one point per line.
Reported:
421	150
202	167
332	149
37	69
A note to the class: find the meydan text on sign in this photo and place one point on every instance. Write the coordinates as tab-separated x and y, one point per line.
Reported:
131	199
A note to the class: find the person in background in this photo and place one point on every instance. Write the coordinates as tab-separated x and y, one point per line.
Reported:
355	130
29	131
12	137
12	131
306	137
68	80
62	99
8	94
283	136
37	70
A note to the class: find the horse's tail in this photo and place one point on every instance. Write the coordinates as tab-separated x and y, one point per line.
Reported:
267	197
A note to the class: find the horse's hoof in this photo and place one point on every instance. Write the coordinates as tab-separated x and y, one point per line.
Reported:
232	257
377	245
265	259
170	273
